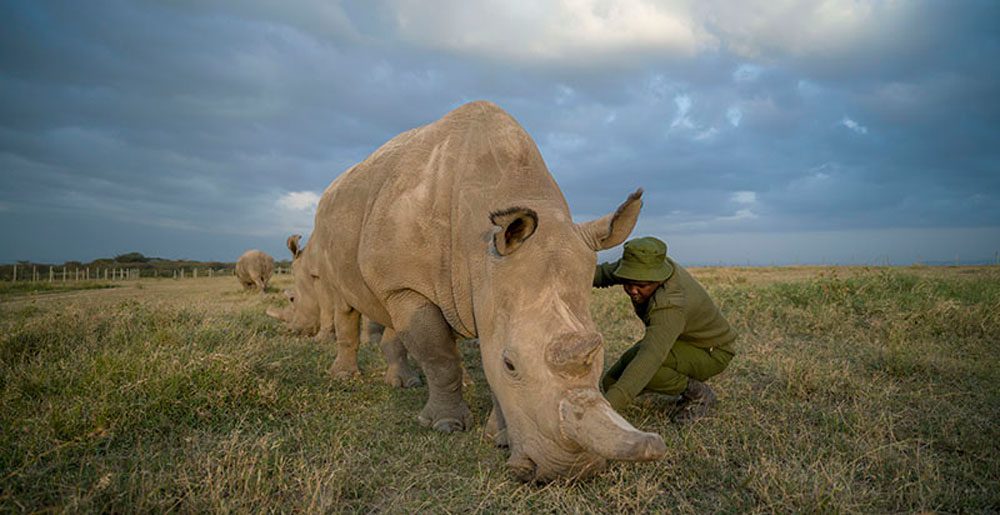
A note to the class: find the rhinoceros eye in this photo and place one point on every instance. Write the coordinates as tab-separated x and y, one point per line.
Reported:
508	365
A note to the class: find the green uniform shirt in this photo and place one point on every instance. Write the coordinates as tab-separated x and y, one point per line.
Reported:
680	309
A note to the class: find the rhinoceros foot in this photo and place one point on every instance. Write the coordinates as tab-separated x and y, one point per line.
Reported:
344	369
400	377
446	420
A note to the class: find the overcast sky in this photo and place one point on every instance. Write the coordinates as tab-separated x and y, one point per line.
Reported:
763	131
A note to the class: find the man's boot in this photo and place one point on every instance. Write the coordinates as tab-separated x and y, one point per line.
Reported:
695	402
658	401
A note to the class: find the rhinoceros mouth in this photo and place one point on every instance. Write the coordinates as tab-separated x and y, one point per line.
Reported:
548	466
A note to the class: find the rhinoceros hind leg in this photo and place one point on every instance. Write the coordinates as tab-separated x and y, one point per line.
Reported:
428	338
398	373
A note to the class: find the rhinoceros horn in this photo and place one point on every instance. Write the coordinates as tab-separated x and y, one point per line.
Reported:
280	314
587	419
573	354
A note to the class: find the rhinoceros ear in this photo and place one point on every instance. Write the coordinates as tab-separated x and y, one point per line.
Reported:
293	245
516	224
610	230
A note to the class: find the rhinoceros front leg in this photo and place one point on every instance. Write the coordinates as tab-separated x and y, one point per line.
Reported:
428	338
347	320
398	372
327	317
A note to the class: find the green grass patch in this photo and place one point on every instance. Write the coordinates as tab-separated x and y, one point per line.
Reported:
874	392
36	288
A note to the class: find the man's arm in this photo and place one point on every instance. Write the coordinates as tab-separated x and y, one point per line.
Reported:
604	275
665	325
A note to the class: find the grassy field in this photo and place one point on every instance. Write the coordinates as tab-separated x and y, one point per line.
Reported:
10	289
854	390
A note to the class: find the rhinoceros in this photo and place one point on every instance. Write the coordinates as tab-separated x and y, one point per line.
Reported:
254	269
457	229
304	312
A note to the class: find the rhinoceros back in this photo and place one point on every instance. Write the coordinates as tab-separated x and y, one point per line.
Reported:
414	215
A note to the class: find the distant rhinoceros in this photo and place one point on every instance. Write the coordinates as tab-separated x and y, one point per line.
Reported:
254	269
458	229
303	314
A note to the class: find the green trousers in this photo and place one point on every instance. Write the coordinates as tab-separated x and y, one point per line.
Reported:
684	361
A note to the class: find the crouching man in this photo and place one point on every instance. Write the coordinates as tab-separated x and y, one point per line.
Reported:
687	340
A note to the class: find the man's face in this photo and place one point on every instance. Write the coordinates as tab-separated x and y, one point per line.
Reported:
640	291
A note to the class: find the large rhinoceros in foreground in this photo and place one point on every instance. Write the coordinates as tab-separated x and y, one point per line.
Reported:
458	229
254	269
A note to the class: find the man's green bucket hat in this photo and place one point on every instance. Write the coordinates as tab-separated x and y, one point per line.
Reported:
644	259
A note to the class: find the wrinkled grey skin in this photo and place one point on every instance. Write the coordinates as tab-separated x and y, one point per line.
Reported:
303	315
254	269
457	229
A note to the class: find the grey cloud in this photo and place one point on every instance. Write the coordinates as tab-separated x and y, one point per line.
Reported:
195	118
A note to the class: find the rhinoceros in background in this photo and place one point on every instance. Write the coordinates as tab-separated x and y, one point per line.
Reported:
254	269
304	312
458	229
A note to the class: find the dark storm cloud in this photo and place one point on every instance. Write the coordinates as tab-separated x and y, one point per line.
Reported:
197	129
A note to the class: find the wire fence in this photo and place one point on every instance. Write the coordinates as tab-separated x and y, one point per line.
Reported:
52	274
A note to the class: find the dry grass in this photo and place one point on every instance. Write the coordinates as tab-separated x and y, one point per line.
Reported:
855	390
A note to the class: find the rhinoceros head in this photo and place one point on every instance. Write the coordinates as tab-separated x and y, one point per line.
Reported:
302	313
541	351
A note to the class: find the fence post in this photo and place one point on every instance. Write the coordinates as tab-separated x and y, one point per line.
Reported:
50	274
194	273
14	279
64	274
